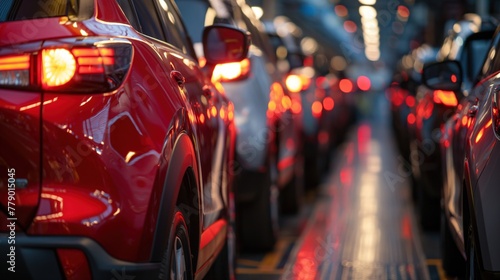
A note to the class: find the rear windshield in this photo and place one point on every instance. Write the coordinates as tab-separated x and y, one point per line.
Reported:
12	10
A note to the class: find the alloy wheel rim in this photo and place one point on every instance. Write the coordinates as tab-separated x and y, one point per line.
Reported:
178	266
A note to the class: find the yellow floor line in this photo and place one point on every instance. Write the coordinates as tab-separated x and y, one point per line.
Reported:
248	262
271	260
439	266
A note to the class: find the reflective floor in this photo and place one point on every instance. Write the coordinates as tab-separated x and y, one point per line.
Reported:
361	224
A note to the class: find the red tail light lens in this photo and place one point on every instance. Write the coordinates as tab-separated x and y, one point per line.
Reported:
328	103
88	65
445	97
232	71
15	70
316	109
58	67
345	86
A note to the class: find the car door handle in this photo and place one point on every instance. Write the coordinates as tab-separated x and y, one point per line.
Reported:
207	93
473	109
178	77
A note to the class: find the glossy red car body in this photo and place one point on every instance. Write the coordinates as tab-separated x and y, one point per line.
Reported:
470	149
103	172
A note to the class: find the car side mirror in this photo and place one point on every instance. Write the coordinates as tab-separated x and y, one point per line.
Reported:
446	75
224	44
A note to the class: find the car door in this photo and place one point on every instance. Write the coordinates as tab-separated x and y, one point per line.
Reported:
204	106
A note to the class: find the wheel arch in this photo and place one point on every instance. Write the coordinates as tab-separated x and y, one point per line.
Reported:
179	180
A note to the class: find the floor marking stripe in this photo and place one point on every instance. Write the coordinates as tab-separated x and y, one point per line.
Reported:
439	265
271	260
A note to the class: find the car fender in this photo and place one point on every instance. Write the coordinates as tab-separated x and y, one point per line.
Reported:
178	156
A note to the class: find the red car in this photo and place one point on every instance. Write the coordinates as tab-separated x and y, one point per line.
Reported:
116	147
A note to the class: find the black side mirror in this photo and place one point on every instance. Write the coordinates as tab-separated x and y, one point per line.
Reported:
446	75
224	44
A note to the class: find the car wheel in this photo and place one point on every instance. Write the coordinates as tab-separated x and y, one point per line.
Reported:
258	220
176	262
453	262
291	196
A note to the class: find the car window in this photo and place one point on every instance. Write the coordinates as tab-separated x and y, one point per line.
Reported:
201	14
492	63
149	19
176	34
12	10
473	57
129	11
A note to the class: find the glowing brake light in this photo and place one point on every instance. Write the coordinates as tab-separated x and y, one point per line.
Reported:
294	83
15	70
89	65
345	85
232	71
328	103
316	109
445	97
18	62
58	67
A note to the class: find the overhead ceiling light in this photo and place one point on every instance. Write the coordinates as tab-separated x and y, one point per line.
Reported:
372	44
368	12
368	2
371	48
368	36
371	29
372	55
369	22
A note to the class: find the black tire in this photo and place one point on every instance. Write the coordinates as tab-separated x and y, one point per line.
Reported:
176	263
453	262
292	195
258	220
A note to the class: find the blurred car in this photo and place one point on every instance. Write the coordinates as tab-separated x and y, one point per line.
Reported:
467	43
268	155
401	94
117	160
471	153
314	95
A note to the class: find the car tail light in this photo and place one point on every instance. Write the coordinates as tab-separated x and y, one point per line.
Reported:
445	97
232	71
74	264
328	103
293	83
316	109
410	101
346	85
58	67
15	70
89	65
297	82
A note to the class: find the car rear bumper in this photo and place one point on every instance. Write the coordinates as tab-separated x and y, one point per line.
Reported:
37	258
